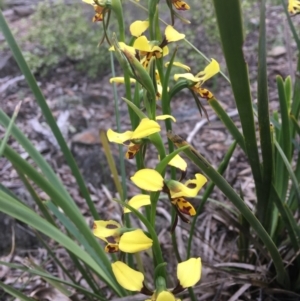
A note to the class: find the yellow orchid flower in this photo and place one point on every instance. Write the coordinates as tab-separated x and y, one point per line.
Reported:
117	239
99	10
188	274
180	5
151	180
146	128
210	70
294	7
149	49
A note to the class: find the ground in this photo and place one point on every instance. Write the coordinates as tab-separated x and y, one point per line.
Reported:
83	107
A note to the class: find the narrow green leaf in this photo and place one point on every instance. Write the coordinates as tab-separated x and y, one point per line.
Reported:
229	20
9	128
264	123
284	140
13	292
231	127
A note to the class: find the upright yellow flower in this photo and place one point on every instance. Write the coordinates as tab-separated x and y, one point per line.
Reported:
294	7
117	238
197	81
151	180
148	49
99	10
188	274
146	128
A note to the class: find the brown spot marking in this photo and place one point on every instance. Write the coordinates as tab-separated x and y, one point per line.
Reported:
111	226
191	185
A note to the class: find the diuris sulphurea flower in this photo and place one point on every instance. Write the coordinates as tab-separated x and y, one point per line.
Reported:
198	80
188	274
118	238
146	128
148	49
151	180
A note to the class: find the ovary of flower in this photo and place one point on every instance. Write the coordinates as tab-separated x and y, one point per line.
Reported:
294	6
138	201
137	28
189	189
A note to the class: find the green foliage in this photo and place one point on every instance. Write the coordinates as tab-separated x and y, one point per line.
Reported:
61	33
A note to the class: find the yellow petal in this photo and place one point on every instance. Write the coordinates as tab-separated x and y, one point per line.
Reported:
189	189
165	51
164	117
148	179
210	70
189	272
138	201
134	241
138	27
172	35
165	296
178	162
178	64
294	6
188	76
142	44
127	277
146	128
120	138
103	229
121	80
